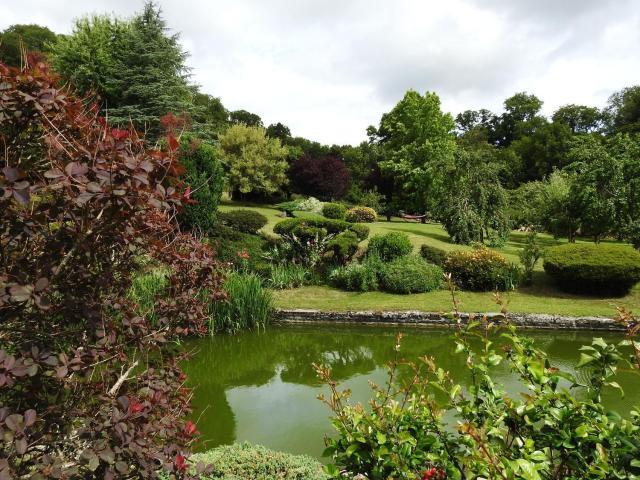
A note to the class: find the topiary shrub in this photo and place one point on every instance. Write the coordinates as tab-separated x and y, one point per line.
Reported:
591	268
307	232
289	207
286	227
240	461
432	254
334	210
482	270
361	277
410	274
361	215
344	246
243	220
390	246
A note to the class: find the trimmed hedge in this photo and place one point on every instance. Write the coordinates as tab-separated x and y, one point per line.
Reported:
246	461
482	270
594	269
390	246
332	226
344	246
361	215
433	255
362	277
243	220
336	211
411	274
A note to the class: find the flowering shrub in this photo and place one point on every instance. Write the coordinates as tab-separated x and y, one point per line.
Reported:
361	215
558	429
481	269
87	389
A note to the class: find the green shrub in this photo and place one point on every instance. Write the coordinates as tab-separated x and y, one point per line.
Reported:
307	232
432	254
390	246
243	250
362	277
243	220
334	210
411	274
289	207
591	268
311	204
248	305
529	256
286	227
288	275
481	270
361	215
344	246
244	461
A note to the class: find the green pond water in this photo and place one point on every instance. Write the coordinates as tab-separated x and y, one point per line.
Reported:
261	388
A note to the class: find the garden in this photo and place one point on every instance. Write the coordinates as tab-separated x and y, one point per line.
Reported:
146	248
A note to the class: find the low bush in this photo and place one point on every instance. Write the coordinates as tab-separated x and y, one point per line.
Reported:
245	461
243	250
289	207
311	204
288	275
334	210
359	277
433	254
411	274
243	220
389	246
591	268
481	270
248	305
344	246
332	226
361	215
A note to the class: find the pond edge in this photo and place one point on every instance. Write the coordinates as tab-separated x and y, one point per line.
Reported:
438	319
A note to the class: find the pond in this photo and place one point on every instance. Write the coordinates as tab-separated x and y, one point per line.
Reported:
261	388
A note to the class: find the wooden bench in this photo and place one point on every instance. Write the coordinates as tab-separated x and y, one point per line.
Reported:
414	218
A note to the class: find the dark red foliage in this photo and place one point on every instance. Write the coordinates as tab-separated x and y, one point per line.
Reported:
89	389
326	177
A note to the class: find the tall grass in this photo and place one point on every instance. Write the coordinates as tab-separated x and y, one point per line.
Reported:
145	289
249	305
288	275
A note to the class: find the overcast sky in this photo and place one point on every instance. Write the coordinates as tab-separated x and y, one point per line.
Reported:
330	68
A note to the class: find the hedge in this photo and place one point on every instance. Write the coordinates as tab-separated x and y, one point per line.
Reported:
481	270
287	226
592	268
243	220
411	274
390	246
433	255
334	210
361	215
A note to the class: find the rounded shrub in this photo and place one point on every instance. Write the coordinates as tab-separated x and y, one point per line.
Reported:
308	232
344	246
361	215
410	274
591	268
362	277
243	220
334	210
482	270
361	231
243	460
433	254
389	246
332	226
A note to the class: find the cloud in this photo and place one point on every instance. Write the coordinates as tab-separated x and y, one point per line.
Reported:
330	68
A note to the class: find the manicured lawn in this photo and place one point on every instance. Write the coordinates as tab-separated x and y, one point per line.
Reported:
536	299
542	297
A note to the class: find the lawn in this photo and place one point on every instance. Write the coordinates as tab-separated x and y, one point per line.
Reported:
542	297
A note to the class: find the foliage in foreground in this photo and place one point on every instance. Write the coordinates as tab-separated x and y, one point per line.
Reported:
244	461
593	268
558	429
80	203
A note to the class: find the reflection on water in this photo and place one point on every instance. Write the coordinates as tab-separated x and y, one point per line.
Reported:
260	387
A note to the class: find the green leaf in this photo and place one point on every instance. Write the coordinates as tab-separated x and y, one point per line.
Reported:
381	437
584	360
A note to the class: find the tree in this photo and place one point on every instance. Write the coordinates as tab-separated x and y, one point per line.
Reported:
88	387
209	116
470	120
559	213
35	39
205	180
255	164
520	118
417	142
579	118
279	131
326	177
475	204
137	68
243	117
623	110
